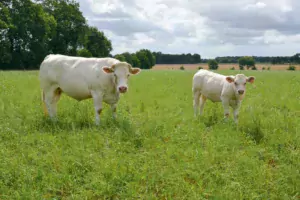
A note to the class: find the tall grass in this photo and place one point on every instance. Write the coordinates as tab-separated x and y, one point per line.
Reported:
155	149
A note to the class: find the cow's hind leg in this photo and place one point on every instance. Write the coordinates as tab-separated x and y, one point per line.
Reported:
50	98
202	103
196	100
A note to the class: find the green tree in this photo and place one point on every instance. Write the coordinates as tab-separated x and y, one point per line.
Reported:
146	58
135	61
213	64
71	26
97	43
29	34
196	58
5	43
142	56
120	57
29	30
247	61
128	57
84	53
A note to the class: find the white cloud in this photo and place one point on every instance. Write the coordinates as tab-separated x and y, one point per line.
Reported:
210	28
258	5
274	37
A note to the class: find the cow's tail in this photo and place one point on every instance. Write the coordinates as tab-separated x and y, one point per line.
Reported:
44	104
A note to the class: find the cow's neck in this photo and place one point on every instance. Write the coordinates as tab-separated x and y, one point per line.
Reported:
112	86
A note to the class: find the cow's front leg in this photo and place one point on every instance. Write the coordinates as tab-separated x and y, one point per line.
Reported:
236	109
226	106
114	110
97	97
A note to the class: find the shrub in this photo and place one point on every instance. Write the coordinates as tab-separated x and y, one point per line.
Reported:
263	68
232	68
241	67
254	68
269	68
181	68
247	61
291	67
200	67
213	64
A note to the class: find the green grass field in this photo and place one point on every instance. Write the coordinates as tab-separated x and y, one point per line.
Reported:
155	149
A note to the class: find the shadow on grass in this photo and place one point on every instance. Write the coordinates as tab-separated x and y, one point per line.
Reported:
45	124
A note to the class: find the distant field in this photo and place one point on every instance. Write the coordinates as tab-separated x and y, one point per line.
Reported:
156	149
221	66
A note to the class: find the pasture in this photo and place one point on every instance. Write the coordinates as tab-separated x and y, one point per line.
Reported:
155	149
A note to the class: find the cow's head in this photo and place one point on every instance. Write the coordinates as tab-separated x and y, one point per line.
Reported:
121	72
239	82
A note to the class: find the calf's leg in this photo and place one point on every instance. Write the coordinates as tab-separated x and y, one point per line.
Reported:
114	109
226	106
196	100
236	109
202	103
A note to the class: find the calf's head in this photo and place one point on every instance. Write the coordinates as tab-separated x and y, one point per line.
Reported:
239	82
121	72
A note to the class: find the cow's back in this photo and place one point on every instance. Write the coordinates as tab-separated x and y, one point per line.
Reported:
210	84
56	66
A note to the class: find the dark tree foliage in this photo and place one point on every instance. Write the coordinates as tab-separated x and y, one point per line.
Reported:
261	59
213	64
247	61
177	58
29	30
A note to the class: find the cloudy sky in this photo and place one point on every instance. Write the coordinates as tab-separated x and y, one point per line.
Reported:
211	28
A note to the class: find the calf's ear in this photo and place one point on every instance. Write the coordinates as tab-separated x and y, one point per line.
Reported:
135	70
251	79
229	79
107	69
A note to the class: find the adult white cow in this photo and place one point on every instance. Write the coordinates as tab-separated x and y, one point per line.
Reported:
230	90
102	79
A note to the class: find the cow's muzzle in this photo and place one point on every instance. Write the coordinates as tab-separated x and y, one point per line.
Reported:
122	89
241	92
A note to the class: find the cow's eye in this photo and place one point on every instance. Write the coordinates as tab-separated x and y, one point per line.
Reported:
128	75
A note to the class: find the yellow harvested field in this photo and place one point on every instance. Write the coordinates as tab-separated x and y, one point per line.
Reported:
221	66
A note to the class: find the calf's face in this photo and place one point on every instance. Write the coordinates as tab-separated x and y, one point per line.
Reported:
239	82
121	72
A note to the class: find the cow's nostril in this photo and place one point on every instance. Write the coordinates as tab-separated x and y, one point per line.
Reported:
241	91
122	89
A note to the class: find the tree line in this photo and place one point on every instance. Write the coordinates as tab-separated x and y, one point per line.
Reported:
143	58
295	59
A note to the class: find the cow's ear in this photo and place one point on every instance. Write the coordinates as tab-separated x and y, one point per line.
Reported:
107	69
251	79
229	79
135	70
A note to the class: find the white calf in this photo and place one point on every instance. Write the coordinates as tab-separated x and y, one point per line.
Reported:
102	79
230	90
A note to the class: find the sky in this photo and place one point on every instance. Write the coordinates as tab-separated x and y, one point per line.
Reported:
210	28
